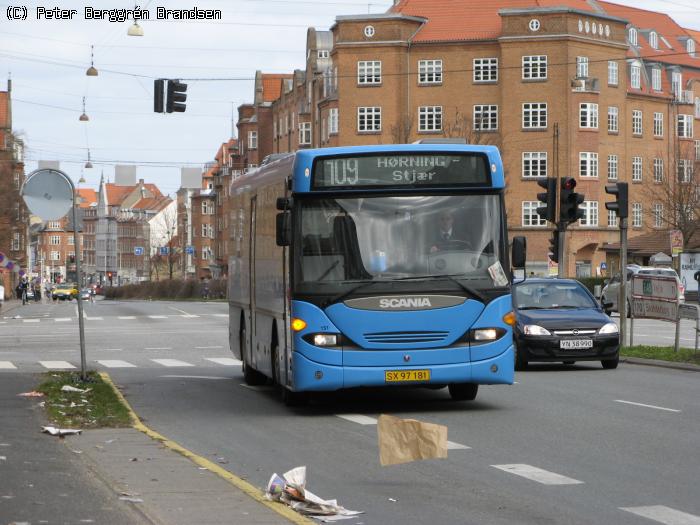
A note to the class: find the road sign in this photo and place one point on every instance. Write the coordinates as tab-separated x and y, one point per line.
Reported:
676	242
189	250
164	250
603	266
138	250
655	297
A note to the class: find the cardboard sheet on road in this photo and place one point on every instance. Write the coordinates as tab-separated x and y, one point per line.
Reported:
405	440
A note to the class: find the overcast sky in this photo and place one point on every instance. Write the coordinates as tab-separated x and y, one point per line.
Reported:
47	61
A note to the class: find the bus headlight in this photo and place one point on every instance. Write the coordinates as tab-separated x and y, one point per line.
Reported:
485	334
325	340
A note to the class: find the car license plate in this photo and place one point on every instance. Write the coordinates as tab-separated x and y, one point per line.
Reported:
401	376
575	344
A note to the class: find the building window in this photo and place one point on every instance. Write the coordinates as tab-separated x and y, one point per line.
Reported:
323	53
429	118
697	150
534	164
613	74
55	256
252	140
207	208
690	47
590	213
54	225
613	221
613	119
369	72
71	240
486	118
656	79
582	67
55	240
654	40
530	215
685	170
369	119
632	36
535	115
697	107
485	69
635	76
658	124
658	211
430	71
636	169
588	115
658	170
588	164
535	67
636	122
16	242
685	126
676	83
304	133
333	121
636	215
612	167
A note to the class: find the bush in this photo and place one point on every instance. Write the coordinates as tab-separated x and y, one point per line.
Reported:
168	289
591	282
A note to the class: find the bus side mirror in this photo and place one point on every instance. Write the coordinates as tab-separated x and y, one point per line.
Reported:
283	230
519	252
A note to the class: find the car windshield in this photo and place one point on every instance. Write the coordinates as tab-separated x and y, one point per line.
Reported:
345	241
549	296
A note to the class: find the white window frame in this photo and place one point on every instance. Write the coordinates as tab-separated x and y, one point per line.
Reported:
613	119
656	79
635	76
369	119
534	164
633	36
588	164
304	133
685	126
658	124
485	117
697	107
697	150
654	40
636	215
658	214
429	119
637	165
323	53
685	171
676	83
582	67
529	216
658	170
430	71
613	73
613	220
369	72
55	256
637	122
333	121
55	240
613	167
534	67
534	115
690	47
588	115
252	140
485	70
590	211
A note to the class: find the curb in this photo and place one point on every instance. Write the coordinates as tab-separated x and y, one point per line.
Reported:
234	480
688	367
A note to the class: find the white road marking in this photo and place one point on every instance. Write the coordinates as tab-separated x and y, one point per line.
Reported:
178	310
664	514
109	350
62	319
207	347
31	320
358	418
126	317
451	445
537	474
158	348
190	316
115	363
64	365
220	315
93	318
646	406
226	361
157	316
7	365
195	377
171	362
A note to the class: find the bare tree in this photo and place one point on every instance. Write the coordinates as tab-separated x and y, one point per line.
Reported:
462	126
401	131
165	236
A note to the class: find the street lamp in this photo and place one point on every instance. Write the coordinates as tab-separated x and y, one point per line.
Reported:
84	117
135	29
91	71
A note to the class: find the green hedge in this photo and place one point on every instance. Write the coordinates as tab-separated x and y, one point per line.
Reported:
168	289
591	282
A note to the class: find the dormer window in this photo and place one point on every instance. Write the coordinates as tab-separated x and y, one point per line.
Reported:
323	53
654	40
690	47
632	36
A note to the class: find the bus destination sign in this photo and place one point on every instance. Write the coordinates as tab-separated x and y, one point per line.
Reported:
416	169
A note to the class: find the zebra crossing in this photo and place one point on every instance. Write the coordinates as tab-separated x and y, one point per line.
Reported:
121	363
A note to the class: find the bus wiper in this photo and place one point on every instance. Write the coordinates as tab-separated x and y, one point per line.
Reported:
344	294
451	277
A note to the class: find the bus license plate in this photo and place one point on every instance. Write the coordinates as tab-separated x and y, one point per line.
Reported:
400	376
575	344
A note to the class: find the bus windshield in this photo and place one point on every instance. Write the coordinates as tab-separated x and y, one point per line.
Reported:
365	239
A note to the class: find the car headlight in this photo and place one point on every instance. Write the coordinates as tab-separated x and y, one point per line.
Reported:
609	328
533	329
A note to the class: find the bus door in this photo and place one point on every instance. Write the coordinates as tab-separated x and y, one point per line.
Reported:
251	276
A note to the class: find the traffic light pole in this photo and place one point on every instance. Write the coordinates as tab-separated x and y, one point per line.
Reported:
622	299
561	231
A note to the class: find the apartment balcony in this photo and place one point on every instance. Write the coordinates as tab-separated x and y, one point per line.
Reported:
684	97
585	85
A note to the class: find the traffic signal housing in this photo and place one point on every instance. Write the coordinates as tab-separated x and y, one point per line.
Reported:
176	96
554	247
159	95
569	202
620	206
549	198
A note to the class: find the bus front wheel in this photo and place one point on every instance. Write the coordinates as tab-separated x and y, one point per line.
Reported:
463	391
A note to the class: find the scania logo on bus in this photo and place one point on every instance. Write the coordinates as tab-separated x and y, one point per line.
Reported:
405	302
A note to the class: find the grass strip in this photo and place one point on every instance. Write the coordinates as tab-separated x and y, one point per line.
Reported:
662	353
99	407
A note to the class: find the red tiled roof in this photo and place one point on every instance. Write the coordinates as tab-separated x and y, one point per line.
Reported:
87	196
155	203
272	85
116	194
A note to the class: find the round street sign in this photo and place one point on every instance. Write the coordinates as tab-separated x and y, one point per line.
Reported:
48	193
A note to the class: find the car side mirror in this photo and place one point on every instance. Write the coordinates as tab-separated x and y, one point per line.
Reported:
283	230
607	305
518	252
606	282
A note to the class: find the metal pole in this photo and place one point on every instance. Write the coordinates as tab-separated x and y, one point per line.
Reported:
81	324
622	299
677	342
697	326
562	251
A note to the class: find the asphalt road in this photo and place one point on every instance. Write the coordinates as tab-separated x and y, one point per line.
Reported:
574	444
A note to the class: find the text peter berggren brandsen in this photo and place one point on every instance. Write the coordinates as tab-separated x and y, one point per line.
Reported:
122	15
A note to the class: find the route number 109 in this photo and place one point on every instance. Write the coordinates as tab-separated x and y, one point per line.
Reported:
343	171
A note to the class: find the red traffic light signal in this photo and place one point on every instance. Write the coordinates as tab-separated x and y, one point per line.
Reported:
568	183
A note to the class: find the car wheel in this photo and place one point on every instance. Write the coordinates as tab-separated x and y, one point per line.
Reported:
463	391
520	360
251	376
610	364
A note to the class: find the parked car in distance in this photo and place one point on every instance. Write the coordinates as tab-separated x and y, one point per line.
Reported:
85	294
559	320
65	291
611	290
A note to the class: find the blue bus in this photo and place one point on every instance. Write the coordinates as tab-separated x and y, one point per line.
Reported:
373	266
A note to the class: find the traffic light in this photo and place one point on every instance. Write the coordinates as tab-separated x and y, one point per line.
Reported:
176	96
158	95
549	197
569	202
620	191
554	247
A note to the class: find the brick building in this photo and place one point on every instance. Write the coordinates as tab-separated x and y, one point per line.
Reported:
580	88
